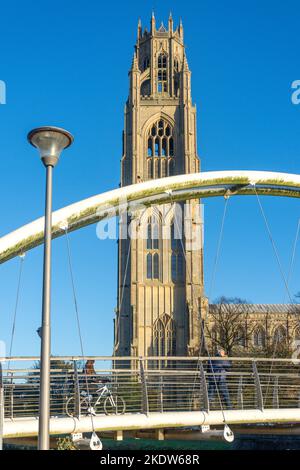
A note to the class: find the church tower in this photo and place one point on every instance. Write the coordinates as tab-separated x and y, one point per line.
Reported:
160	274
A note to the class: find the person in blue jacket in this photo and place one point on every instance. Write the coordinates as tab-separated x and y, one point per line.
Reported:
217	379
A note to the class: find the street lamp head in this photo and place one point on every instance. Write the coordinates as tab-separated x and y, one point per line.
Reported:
50	141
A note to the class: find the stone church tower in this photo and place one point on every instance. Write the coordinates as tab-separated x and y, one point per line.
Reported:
160	277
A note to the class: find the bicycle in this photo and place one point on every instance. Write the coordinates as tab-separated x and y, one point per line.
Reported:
113	404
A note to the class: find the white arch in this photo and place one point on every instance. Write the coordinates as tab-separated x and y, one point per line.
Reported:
175	188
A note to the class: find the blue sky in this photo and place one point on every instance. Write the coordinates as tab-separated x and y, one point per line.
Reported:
65	63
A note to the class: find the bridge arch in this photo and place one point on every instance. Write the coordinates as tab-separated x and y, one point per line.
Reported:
160	191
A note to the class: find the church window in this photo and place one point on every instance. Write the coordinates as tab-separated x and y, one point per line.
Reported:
240	337
164	336
279	334
162	73
156	147
155	266
150	149
259	337
149	266
171	147
164	148
152	244
152	233
177	264
160	146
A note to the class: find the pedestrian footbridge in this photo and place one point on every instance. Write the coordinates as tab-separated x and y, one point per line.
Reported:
123	393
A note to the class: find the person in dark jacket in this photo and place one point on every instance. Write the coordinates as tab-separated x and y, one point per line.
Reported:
217	379
90	375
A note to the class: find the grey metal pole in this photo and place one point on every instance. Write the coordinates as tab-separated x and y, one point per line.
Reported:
44	411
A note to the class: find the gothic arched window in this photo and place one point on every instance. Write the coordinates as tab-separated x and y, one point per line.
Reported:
240	337
162	84
176	76
160	150
149	266
259	337
177	264
152	233
155	266
279	334
150	148
164	336
152	245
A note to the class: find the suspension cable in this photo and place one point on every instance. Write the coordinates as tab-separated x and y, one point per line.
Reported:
78	324
273	245
125	276
290	271
217	255
283	277
122	293
13	329
201	325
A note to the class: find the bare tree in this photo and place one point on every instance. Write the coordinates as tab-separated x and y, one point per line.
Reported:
228	327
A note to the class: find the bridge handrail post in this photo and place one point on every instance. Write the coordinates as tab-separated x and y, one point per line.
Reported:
11	395
240	396
76	391
204	388
276	393
1	407
258	391
161	394
145	401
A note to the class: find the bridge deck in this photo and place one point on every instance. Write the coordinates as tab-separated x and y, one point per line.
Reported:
145	393
24	427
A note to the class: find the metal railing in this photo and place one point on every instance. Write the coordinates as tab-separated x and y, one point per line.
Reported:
151	384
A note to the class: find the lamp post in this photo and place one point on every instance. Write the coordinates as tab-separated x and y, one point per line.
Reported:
50	141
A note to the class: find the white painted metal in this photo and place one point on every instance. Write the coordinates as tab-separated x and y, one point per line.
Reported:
29	427
181	187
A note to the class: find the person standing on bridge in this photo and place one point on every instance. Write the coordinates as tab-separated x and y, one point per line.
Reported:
217	379
89	368
91	376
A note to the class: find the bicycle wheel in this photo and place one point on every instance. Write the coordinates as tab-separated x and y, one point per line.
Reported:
71	406
114	405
